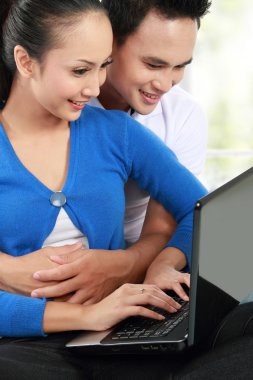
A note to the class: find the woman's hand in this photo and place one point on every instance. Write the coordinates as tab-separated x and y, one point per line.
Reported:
128	300
165	274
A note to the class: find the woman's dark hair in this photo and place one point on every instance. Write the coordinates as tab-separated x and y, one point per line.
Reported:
127	15
37	26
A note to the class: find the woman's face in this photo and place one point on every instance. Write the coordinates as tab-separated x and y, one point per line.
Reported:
74	71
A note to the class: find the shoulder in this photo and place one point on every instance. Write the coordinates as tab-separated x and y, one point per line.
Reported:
96	113
117	126
106	121
175	107
182	112
177	100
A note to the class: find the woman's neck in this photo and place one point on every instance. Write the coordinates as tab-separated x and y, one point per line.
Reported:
24	115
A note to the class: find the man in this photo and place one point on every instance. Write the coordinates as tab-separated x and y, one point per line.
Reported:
153	43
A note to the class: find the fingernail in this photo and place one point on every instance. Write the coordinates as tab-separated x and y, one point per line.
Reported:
36	276
34	294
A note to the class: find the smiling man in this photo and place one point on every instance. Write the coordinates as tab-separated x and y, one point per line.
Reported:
153	43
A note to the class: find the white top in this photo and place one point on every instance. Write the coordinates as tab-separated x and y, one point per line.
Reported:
65	232
180	122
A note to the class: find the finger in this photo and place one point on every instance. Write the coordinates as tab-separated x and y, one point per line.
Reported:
187	279
80	297
169	305
152	290
67	248
144	312
58	290
148	298
165	297
67	258
178	289
61	273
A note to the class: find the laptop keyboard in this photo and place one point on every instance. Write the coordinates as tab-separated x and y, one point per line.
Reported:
137	328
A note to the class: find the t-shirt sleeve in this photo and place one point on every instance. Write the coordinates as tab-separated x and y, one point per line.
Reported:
157	170
190	139
21	316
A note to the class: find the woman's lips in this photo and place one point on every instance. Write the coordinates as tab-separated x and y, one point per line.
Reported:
78	106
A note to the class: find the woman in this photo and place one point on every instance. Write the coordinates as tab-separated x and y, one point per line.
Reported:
64	164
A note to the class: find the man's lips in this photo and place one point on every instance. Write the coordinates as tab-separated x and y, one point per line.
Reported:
150	98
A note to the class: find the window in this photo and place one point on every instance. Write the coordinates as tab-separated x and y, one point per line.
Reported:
221	79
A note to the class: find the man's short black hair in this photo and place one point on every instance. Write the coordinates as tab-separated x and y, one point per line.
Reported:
127	15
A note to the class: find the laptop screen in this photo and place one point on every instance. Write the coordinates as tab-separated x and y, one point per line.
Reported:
222	257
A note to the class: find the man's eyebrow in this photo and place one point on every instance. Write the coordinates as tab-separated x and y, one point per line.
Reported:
186	62
158	61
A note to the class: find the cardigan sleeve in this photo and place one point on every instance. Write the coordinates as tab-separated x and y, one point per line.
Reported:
157	170
21	316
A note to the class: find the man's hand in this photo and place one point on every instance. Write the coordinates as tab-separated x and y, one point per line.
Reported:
166	275
91	275
16	273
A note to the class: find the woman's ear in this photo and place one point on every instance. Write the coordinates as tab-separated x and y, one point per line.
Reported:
25	64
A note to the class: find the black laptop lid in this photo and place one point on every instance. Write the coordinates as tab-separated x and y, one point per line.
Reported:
222	264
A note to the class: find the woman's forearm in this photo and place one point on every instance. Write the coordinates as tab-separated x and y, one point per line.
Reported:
59	317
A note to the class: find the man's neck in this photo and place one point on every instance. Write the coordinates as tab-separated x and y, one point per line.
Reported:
111	100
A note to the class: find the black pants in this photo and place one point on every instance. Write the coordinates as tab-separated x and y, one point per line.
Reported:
231	357
48	359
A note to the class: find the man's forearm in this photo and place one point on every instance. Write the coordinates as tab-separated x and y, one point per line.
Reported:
157	230
143	252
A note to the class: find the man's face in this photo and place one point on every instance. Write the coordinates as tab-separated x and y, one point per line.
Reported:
149	63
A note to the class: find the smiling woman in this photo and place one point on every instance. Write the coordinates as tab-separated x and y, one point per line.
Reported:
71	75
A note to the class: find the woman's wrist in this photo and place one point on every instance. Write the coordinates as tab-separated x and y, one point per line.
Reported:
173	257
63	316
7	268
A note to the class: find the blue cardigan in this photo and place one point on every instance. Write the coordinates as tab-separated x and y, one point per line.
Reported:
106	147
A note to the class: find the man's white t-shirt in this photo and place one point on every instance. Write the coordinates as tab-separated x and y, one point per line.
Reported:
180	122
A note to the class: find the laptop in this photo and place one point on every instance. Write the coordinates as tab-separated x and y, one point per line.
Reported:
221	276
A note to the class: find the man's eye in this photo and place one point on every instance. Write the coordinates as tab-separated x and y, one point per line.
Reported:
180	67
151	66
107	63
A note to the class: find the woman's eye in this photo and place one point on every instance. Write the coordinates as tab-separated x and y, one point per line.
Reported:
80	71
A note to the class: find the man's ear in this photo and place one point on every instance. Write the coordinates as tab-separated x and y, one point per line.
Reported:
25	64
